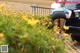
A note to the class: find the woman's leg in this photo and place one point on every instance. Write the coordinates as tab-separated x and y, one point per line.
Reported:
56	22
59	19
62	21
59	23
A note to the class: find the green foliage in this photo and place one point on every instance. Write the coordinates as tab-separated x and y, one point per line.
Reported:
24	38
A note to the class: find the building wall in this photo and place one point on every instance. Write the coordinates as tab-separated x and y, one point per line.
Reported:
25	5
18	6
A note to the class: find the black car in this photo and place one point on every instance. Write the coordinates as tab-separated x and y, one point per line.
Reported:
74	24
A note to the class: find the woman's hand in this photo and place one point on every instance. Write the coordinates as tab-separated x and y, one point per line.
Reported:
67	16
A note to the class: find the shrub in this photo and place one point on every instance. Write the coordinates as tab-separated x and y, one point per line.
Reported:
24	33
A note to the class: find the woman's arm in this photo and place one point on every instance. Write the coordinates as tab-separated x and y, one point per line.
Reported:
69	14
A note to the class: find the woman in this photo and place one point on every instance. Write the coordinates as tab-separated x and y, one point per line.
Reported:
59	16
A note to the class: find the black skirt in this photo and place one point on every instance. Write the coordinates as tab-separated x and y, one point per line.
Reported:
58	14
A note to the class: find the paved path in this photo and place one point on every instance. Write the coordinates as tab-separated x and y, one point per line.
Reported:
72	47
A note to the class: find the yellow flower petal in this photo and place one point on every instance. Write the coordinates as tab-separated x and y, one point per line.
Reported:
25	18
66	35
32	22
53	47
2	5
1	35
66	27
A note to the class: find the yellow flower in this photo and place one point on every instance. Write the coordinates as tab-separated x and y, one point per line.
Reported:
65	49
66	35
25	36
2	5
52	38
9	9
57	32
25	18
0	10
1	35
69	43
53	47
50	23
46	18
13	11
66	27
32	22
39	31
43	24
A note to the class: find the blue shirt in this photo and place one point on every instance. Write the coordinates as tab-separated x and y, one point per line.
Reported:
61	9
